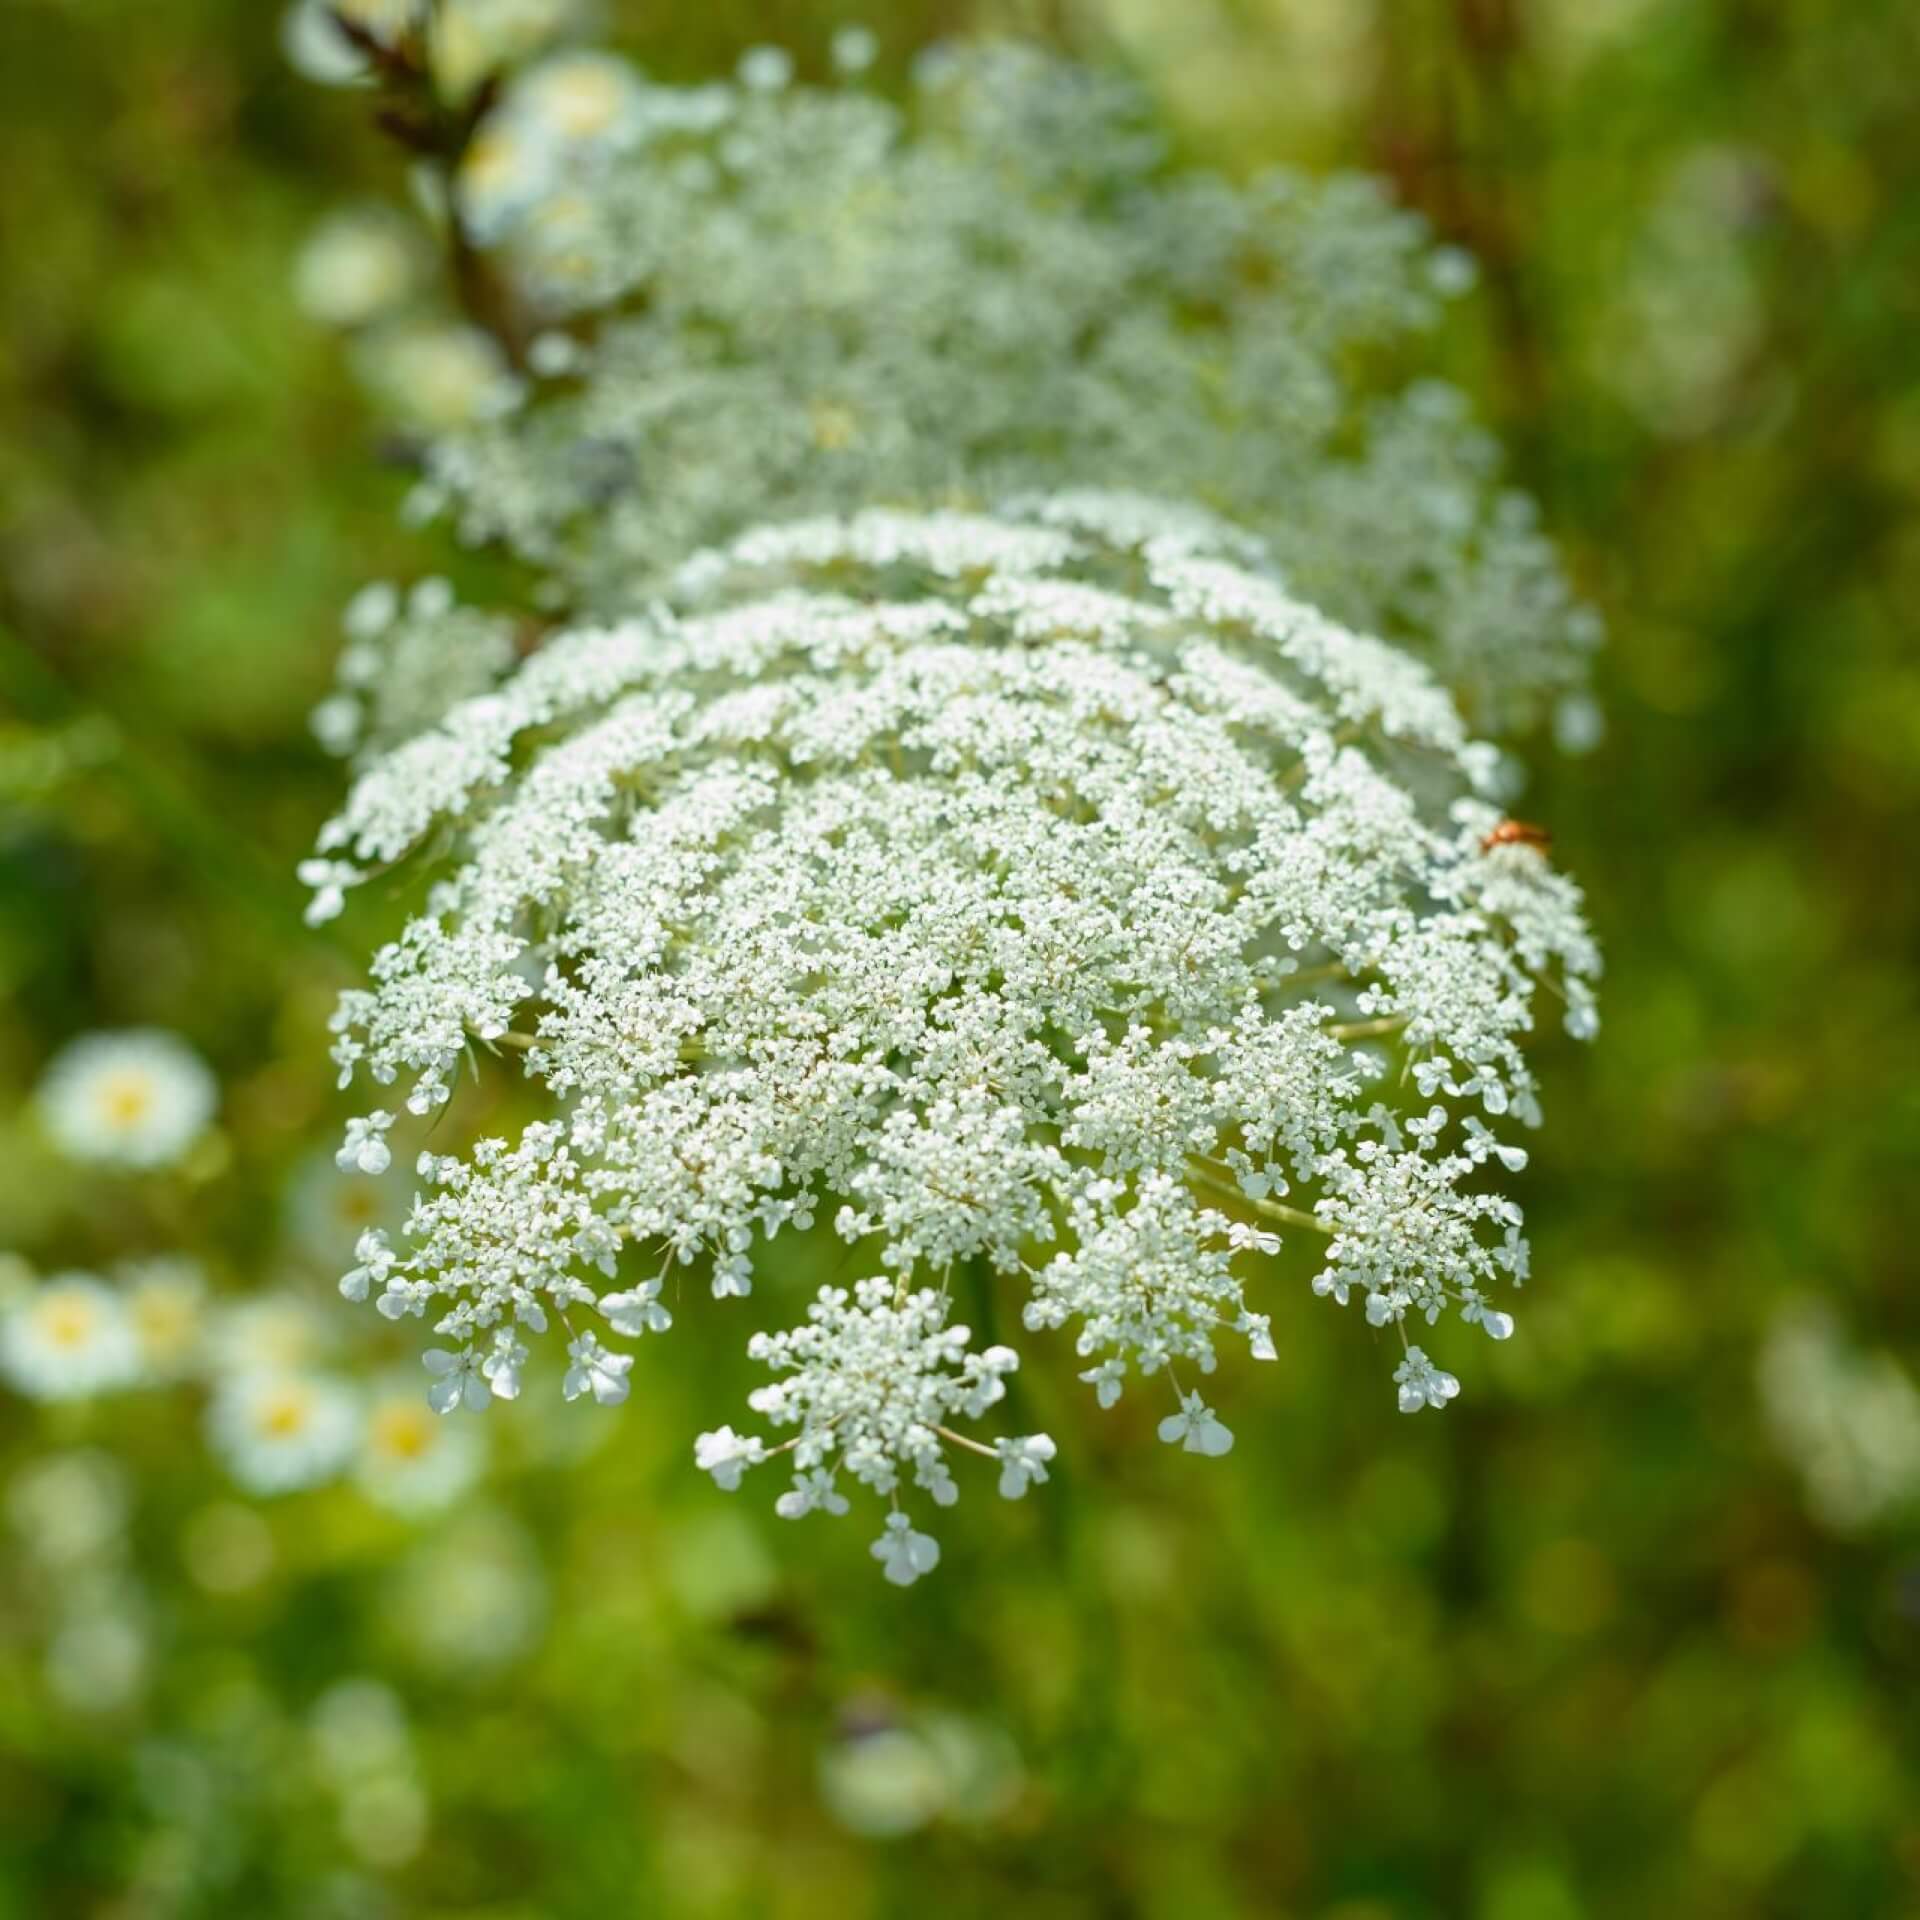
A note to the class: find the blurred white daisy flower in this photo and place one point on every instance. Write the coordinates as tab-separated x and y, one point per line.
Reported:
269	1333
358	265
137	1098
280	1432
584	98
412	1461
438	376
166	1306
68	1340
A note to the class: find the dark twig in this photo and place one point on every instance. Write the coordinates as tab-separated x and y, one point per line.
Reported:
411	113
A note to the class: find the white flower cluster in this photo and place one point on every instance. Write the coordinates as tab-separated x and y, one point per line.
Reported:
751	300
1052	898
408	658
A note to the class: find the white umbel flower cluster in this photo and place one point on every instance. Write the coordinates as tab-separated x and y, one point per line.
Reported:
1051	899
408	658
751	300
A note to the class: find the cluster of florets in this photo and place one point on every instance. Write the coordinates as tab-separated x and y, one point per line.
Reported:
747	300
1052	899
407	659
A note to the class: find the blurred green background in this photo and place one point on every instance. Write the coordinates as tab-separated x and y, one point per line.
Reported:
1595	1644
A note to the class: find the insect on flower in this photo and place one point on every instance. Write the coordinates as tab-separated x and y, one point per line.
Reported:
1517	833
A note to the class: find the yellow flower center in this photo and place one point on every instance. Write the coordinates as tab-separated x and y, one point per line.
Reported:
126	1099
68	1323
284	1415
402	1432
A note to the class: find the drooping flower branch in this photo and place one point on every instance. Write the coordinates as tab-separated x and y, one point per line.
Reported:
738	302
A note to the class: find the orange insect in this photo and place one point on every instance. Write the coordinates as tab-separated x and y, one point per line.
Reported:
1517	833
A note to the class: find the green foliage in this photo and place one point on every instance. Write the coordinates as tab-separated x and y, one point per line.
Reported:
1584	1648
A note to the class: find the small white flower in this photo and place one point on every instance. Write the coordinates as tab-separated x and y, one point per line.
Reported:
934	1477
903	1554
459	1380
1023	1463
371	611
596	1371
166	1307
1451	271
269	1333
1422	1384
727	1455
280	1432
854	49
431	598
502	1365
766	69
376	1260
732	1277
553	354
1243	1238
1498	1325
329	879
357	266
138	1098
1258	1328
1481	1145
636	1312
583	98
813	1492
1195	1429
437	376
68	1339
403	1297
365	1149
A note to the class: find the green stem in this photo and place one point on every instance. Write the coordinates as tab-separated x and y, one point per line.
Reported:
1267	1209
